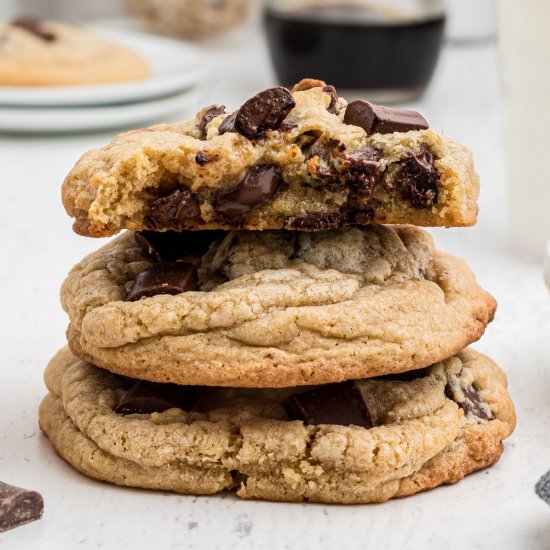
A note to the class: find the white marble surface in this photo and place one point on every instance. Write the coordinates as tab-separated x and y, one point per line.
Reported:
496	508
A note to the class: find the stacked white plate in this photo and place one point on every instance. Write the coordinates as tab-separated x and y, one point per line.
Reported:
177	70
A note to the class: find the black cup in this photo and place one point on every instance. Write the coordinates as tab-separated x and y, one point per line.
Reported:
384	57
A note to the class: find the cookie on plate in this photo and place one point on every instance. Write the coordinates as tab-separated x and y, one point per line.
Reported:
353	442
47	53
302	160
273	308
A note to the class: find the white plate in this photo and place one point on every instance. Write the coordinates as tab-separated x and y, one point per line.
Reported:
80	119
175	66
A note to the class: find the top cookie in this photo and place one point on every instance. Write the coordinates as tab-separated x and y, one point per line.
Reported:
37	53
285	160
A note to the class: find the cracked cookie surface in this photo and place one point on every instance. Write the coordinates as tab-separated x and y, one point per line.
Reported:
281	308
243	440
47	53
296	166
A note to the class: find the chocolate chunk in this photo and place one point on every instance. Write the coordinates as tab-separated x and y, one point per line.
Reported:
264	111
359	214
258	187
406	376
201	159
211	113
382	120
542	488
335	168
174	211
419	180
164	278
173	245
334	106
228	124
18	506
318	221
148	397
340	404
34	26
472	402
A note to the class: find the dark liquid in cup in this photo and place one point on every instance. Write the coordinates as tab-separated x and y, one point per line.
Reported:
353	47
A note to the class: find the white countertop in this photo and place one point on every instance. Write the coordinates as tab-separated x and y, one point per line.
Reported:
495	508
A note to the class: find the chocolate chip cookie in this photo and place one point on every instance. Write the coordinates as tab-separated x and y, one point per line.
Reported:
353	442
273	308
303	160
47	53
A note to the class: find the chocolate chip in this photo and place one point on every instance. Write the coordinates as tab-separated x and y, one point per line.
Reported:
173	245
363	169
201	159
334	106
340	404
18	506
264	111
210	114
148	397
258	187
318	221
228	124
474	404
419	180
383	120
34	26
471	402
174	211
164	278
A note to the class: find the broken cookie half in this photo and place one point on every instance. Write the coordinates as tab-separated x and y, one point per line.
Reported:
302	159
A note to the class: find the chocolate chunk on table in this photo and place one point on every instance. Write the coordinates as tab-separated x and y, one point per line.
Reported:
164	278
148	397
175	211
340	404
383	120
18	506
34	26
542	488
173	245
258	186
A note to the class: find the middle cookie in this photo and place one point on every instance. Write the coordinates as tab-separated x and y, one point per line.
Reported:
272	309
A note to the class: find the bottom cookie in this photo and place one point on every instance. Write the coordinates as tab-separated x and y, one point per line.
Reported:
408	433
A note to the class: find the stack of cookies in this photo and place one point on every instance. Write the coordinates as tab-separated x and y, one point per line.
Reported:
256	327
